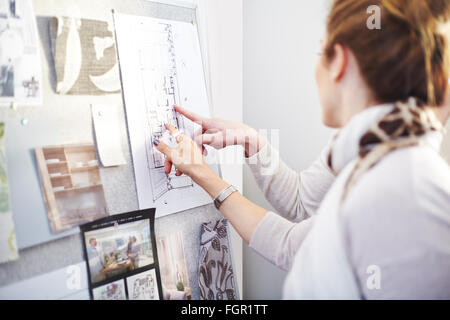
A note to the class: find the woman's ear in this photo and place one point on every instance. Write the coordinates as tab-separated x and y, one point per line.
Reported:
339	62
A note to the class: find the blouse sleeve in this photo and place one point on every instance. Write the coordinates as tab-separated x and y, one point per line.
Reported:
278	240
295	196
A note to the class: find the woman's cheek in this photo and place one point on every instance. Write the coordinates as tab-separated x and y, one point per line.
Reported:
321	90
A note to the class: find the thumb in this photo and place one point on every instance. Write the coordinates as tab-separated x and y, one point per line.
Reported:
163	148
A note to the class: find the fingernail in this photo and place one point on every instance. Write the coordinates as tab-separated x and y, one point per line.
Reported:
156	142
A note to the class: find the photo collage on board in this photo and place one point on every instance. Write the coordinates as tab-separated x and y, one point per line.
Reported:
121	257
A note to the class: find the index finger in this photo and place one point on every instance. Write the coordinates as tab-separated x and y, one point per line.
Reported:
188	114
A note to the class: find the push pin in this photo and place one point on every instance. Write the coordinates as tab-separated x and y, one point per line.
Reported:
24	121
13	105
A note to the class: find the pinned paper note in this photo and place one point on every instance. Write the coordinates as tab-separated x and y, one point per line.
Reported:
107	126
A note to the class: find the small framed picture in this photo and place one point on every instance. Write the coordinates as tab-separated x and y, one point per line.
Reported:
110	291
121	257
143	286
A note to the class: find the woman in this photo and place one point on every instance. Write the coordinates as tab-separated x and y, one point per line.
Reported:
371	217
133	250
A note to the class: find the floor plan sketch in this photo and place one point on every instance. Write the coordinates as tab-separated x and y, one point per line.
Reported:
160	86
161	67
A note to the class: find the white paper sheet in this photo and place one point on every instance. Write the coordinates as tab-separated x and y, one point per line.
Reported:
20	64
161	65
107	134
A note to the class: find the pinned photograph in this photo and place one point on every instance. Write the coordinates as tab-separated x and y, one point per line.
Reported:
118	249
111	291
172	263
123	246
143	286
20	67
71	185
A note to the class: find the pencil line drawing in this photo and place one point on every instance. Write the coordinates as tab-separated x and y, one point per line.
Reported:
161	66
160	86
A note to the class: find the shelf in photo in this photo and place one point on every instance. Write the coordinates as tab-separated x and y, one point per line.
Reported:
57	164
61	176
92	186
84	168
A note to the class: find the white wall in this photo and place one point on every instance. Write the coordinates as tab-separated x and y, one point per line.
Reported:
220	29
220	22
281	42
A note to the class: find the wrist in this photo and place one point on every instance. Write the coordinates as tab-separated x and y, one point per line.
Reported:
202	174
209	181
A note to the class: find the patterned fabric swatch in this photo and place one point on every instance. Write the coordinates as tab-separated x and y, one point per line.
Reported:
8	245
215	275
85	57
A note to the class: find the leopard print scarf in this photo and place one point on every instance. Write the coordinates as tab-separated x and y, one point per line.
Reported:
401	128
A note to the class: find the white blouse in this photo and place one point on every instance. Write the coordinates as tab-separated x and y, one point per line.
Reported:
389	240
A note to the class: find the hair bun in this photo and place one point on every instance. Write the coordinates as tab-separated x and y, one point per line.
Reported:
428	19
418	14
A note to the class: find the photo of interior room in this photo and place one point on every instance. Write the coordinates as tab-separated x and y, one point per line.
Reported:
143	286
119	249
172	264
111	291
71	185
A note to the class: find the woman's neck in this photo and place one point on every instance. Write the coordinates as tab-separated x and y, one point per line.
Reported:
358	104
355	104
443	113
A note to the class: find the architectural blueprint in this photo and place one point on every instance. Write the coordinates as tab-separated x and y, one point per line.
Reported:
161	66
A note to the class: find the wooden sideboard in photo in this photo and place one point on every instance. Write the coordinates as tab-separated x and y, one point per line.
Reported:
71	185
